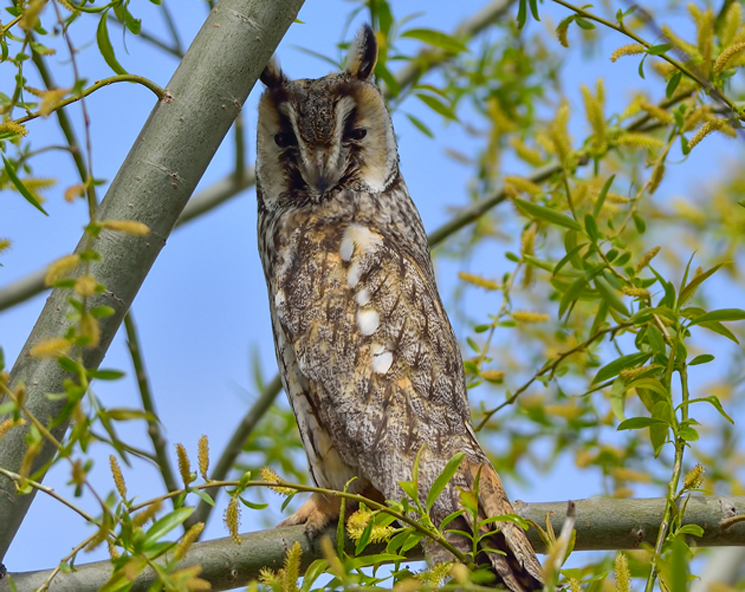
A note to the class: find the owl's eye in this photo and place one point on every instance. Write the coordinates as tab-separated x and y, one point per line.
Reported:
358	133
285	139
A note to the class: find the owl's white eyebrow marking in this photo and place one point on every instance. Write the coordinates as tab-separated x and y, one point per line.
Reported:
368	321
363	296
381	359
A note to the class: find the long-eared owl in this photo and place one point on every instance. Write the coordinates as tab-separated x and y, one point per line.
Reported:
366	353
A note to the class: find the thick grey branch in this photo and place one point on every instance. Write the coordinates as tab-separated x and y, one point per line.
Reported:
602	524
153	185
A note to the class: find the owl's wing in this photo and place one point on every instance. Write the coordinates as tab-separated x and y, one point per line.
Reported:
371	337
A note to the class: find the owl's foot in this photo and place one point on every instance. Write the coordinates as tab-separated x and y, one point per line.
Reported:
316	513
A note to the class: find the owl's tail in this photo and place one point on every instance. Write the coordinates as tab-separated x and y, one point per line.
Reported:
516	565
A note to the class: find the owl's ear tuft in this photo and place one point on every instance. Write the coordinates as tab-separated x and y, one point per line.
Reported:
363	53
272	75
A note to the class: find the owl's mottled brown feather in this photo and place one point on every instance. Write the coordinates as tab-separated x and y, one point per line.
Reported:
367	355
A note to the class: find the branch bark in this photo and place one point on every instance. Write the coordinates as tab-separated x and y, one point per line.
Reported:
161	171
602	524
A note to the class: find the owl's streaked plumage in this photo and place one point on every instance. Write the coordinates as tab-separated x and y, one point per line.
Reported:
366	353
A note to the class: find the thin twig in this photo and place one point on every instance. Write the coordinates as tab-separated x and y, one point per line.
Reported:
148	404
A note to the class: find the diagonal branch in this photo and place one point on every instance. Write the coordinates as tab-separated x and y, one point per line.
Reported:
603	524
152	187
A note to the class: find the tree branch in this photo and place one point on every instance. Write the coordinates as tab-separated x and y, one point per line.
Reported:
153	185
602	524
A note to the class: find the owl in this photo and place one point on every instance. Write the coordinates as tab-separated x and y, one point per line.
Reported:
366	353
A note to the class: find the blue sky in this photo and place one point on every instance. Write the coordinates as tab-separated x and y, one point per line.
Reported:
202	312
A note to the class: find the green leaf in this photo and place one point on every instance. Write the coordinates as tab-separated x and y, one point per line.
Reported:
105	374
611	296
252	505
723	314
568	257
673	83
576	288
409	488
167	524
690	289
124	414
639	223
702	359
547	214
437	106
22	189
101	312
443	479
637	423
591	227
420	125
534	9
714	401
437	39
720	329
602	195
584	23
618	398
613	368
688	433
659	49
104	45
522	13
691	529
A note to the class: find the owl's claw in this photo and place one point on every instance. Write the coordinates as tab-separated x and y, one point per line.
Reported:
316	513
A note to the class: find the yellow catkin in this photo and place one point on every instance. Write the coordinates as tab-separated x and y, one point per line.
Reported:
712	125
627	50
127	227
630	373
594	114
574	585
493	375
523	151
60	268
658	172
188	580
232	519
732	23
66	5
436	574
50	99
37	92
679	43
658	112
358	522
30	16
523	184
291	570
559	135
116	472
204	457
187	540
624	474
646	258
113	551
12	127
724	58
525	316
640	140
73	192
635	292
32	451
148	513
90	328
184	466
270	475
9	424
85	286
695	117
19	394
5	244
477	280
50	348
622	573
694	478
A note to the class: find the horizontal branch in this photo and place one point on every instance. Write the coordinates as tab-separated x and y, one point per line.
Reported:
603	524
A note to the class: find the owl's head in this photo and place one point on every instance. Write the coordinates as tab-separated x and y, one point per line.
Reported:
316	137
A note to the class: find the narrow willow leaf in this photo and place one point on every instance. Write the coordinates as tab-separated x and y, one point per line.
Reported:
167	524
22	189
547	214
690	289
104	45
723	314
659	49
611	296
437	39
637	423
576	288
437	106
602	195
443	479
420	125
612	369
702	359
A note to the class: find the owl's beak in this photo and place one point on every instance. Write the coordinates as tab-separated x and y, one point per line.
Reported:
325	174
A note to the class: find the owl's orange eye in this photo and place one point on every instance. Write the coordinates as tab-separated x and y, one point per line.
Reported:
357	134
285	139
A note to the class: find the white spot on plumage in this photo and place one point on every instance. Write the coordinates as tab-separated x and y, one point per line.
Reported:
368	321
363	297
353	275
279	298
346	249
381	359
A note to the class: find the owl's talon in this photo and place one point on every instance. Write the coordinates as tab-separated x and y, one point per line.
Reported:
315	514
